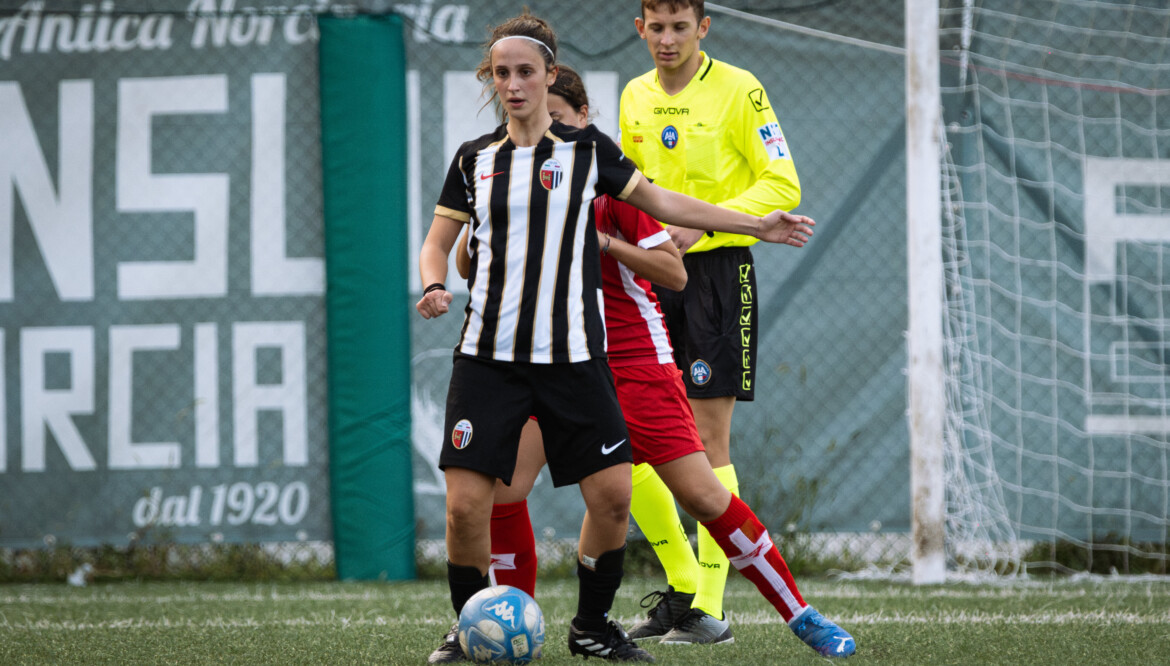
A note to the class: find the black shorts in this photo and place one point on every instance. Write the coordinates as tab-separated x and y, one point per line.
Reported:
488	402
712	323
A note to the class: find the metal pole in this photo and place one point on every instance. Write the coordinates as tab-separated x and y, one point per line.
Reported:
925	277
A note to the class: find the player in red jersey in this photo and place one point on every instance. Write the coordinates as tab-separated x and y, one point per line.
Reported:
637	251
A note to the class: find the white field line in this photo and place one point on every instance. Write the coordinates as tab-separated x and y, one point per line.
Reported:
201	598
1153	591
816	591
756	618
975	617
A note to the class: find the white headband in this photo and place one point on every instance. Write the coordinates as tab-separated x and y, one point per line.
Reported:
531	39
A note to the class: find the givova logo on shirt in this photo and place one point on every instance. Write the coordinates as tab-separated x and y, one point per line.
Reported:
773	140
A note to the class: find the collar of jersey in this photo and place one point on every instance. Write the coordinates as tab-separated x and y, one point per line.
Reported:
706	62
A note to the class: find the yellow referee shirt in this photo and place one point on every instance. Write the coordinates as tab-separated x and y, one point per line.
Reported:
717	140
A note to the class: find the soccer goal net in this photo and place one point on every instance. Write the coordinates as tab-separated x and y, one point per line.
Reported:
1056	224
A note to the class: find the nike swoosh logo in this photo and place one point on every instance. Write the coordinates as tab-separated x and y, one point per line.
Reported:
606	450
485	176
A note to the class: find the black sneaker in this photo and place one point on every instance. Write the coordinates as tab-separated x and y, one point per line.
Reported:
699	626
668	608
450	651
611	643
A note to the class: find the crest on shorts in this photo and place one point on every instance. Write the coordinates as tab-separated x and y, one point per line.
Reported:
670	137
461	434
700	372
550	174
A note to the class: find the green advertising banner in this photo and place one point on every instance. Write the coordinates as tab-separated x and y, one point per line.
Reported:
363	129
162	282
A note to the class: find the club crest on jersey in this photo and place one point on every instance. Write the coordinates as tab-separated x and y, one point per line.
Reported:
773	140
670	136
700	372
461	434
550	174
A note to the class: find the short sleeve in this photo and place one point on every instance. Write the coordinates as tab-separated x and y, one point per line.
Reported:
637	227
454	201
617	175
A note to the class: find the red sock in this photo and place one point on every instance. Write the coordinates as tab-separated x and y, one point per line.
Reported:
513	547
750	549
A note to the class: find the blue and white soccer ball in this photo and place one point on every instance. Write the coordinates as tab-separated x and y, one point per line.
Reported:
501	624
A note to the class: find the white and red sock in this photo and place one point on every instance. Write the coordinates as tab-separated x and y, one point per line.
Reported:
748	546
513	547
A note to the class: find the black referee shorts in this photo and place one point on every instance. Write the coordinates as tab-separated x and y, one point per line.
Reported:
712	323
488	403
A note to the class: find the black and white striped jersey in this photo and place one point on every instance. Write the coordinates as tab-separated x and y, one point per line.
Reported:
535	280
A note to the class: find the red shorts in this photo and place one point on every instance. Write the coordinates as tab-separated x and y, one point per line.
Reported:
658	416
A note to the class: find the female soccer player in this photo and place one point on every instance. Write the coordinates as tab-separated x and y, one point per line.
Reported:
653	399
533	341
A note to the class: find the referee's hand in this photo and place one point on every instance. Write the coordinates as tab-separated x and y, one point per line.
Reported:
786	228
434	303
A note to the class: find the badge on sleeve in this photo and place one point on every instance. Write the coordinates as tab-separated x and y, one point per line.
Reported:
759	102
773	140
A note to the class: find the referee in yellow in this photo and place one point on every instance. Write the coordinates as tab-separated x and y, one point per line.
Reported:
705	128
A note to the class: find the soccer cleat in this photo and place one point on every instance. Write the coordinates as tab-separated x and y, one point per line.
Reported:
669	607
699	626
820	634
449	652
612	644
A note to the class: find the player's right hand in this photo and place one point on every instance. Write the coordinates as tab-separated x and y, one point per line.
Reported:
683	237
785	228
434	304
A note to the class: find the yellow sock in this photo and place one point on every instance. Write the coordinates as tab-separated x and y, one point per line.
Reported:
653	508
713	564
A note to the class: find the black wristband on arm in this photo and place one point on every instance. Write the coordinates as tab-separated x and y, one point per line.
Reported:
434	286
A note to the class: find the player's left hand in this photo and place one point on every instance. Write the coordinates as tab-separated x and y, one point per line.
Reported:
783	227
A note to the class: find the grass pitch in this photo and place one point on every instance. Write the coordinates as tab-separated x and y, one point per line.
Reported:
1097	621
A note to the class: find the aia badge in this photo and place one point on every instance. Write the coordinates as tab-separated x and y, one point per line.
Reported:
700	372
461	434
670	137
550	174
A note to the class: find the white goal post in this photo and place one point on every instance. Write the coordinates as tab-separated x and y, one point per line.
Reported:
925	280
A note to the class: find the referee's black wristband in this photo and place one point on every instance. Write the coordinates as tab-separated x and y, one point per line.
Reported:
434	286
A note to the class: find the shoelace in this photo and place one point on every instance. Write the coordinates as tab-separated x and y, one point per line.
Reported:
656	599
689	619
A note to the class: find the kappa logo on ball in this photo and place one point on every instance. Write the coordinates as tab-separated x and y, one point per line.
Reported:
700	372
461	434
550	174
